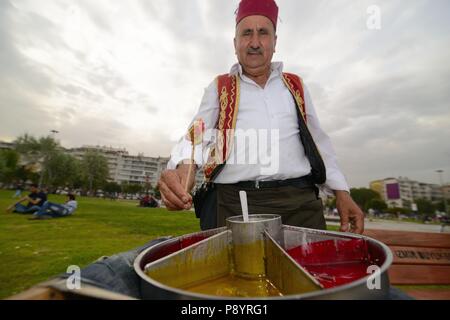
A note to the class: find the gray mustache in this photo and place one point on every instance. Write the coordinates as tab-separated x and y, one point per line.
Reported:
254	51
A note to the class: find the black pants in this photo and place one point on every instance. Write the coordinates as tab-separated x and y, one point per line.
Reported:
297	206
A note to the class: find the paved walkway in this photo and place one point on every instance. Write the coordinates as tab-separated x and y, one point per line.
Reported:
398	226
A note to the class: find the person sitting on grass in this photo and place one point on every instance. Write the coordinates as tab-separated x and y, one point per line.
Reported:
148	201
55	210
36	199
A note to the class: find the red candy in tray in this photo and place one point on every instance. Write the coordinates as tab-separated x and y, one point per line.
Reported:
334	262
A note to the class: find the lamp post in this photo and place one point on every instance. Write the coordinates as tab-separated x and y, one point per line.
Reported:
147	183
441	180
54	133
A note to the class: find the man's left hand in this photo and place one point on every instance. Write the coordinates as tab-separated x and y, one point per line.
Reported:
352	217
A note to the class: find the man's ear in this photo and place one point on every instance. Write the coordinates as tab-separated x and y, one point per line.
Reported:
234	42
275	44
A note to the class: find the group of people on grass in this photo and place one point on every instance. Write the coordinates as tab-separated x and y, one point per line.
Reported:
38	205
148	201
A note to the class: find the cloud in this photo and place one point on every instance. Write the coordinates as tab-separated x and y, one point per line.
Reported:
131	74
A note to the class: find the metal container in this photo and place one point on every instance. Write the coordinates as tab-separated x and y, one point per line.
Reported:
301	263
248	242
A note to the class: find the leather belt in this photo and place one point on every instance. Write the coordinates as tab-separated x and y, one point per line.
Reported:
302	182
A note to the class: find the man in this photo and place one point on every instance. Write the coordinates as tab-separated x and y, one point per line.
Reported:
116	273
266	99
35	199
56	210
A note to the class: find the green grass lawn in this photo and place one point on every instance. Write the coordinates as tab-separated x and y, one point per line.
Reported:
34	251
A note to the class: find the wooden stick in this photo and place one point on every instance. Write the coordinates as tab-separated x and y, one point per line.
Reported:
186	187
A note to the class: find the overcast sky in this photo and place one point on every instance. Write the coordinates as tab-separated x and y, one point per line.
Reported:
132	73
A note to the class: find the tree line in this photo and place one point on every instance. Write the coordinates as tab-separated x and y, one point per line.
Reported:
43	161
370	199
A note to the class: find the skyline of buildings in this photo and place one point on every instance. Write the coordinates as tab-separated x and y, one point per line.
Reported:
131	169
126	168
402	192
123	167
140	169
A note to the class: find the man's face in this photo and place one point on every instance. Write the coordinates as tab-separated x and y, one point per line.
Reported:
33	189
255	42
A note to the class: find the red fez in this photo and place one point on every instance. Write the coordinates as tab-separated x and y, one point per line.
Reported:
267	8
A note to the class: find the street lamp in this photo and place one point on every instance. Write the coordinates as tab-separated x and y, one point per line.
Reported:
54	133
441	180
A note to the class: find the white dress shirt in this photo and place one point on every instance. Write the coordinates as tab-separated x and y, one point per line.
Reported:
272	109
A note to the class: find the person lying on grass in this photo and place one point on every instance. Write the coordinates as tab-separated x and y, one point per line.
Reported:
55	210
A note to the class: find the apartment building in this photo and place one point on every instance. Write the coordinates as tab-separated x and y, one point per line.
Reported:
402	192
6	145
139	169
126	168
123	167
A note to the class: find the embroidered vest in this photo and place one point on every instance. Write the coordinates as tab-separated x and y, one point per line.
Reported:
228	90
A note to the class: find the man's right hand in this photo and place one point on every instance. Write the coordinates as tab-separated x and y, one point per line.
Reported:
171	185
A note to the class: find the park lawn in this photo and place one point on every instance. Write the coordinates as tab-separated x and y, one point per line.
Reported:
34	251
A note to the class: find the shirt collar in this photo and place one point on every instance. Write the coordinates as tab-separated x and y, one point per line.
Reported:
277	69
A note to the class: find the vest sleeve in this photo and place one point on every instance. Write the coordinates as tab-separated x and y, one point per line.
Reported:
208	112
335	178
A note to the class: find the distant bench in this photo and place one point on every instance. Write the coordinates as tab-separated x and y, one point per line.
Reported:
420	259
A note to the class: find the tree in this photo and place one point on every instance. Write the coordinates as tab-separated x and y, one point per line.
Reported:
363	195
38	151
157	192
377	204
95	170
112	187
397	210
425	207
132	188
2	171
9	160
440	205
24	173
62	170
330	202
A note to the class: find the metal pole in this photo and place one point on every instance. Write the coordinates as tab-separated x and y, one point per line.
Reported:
441	180
54	133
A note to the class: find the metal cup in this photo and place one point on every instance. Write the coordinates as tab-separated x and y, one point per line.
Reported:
248	249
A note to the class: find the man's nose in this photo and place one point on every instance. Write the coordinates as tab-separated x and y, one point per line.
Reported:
254	42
